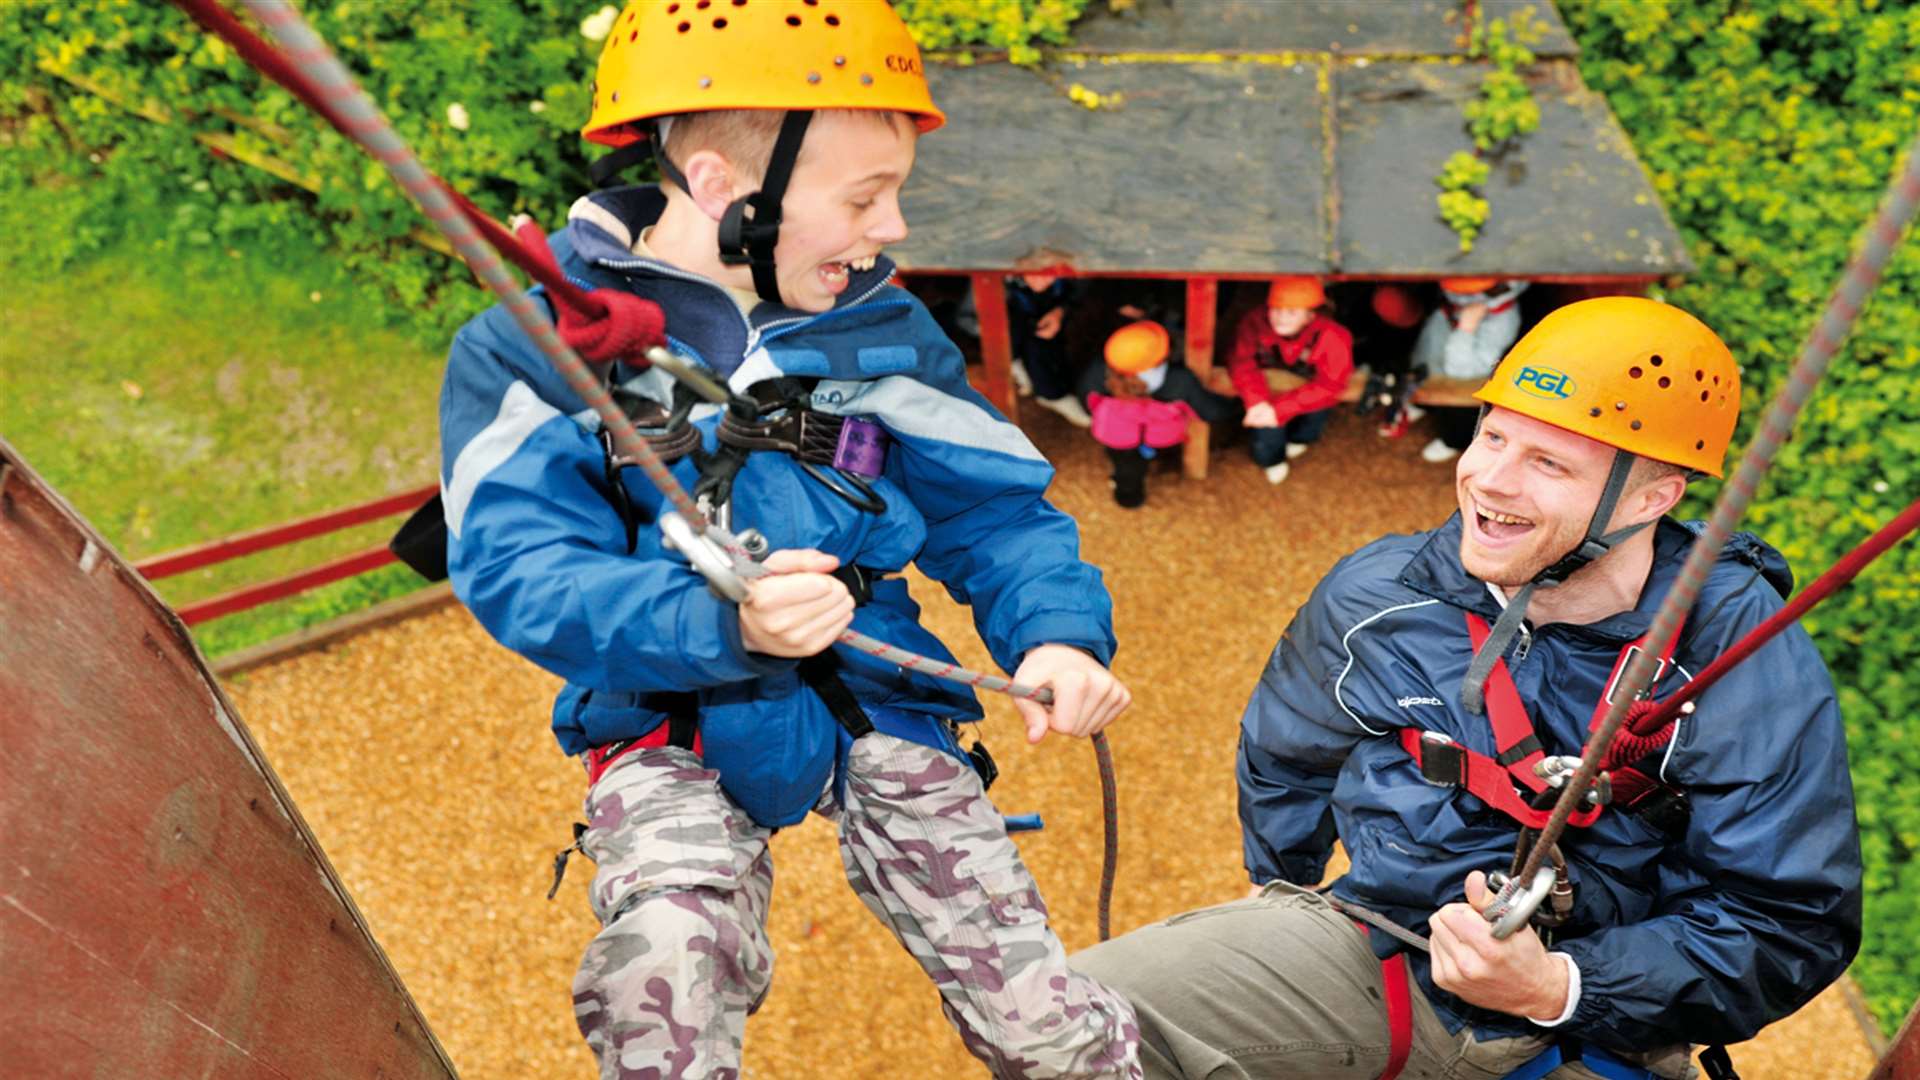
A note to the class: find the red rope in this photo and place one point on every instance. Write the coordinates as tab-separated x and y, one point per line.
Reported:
1822	587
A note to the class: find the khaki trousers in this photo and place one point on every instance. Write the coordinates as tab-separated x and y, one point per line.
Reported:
1282	985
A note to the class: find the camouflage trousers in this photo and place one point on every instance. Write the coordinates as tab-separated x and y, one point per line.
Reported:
682	882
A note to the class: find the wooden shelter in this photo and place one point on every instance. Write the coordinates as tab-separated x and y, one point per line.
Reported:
1253	138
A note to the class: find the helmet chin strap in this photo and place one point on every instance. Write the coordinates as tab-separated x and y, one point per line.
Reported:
750	240
1591	548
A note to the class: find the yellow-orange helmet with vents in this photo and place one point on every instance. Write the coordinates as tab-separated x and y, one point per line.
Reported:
1633	373
1138	347
666	57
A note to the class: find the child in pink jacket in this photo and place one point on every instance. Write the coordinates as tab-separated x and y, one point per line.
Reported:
1128	420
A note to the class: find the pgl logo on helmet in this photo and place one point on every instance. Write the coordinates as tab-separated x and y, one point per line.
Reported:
1544	382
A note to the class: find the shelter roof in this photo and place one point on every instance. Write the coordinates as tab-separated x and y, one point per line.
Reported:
1254	138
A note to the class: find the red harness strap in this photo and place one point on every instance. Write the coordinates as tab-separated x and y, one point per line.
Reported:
1492	779
601	758
1393	981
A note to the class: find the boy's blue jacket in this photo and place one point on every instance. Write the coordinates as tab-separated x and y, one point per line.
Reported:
1702	938
539	553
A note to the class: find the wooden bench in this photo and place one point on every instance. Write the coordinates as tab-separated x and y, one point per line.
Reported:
1438	393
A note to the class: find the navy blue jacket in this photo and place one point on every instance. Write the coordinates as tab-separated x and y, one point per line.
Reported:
1706	937
539	553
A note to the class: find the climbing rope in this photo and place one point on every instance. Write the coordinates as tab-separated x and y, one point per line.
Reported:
306	67
1896	210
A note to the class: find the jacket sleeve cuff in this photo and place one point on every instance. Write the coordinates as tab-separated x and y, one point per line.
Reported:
747	664
1080	630
1573	994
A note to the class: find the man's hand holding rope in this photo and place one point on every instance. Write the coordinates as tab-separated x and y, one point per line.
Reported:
1516	976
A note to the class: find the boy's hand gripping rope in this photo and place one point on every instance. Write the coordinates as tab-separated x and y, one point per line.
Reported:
1520	896
309	70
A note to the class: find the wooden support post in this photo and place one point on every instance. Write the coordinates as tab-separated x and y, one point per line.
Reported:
1202	296
995	380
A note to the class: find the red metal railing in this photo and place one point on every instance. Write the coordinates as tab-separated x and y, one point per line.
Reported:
232	547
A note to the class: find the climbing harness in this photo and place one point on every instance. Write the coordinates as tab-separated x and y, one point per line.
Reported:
308	69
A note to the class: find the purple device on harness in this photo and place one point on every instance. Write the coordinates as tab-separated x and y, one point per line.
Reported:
862	449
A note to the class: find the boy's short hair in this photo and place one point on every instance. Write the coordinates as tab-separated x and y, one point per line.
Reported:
745	137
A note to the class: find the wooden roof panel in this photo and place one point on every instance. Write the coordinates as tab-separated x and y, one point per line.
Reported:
1570	199
1371	28
1213	166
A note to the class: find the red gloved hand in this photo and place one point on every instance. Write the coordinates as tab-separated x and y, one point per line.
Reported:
624	327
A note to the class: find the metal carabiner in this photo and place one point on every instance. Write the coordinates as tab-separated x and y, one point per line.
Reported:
705	553
1512	906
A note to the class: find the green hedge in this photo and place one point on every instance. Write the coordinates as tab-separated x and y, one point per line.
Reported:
490	95
1771	129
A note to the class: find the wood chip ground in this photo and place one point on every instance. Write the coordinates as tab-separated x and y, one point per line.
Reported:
421	756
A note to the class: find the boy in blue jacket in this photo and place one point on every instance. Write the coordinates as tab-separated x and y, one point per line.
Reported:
785	136
1407	706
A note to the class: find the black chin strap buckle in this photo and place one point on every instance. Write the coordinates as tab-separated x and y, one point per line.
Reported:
748	241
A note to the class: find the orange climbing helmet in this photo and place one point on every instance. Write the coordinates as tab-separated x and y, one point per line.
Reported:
1467	286
1397	306
666	57
1633	373
1138	347
1296	291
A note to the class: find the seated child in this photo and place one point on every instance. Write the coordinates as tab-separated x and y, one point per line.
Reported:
1293	334
1464	338
1037	308
1130	419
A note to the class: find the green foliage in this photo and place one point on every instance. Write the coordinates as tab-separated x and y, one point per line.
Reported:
1771	129
1505	109
1502	112
178	396
1018	26
491	96
1461	206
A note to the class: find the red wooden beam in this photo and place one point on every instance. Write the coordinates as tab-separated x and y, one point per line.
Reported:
1202	295
1902	1059
252	596
996	342
232	547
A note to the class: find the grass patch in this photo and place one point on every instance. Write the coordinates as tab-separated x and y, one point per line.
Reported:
175	396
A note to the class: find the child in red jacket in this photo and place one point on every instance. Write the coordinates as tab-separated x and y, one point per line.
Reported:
1129	420
1292	334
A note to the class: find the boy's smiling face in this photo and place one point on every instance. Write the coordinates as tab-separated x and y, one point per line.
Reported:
842	205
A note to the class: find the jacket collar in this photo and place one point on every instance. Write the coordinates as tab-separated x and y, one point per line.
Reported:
602	227
1436	571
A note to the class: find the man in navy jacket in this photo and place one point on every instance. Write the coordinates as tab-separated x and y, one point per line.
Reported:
1724	911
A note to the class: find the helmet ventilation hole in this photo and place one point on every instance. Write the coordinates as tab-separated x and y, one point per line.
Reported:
1699	376
634	36
1665	382
793	20
719	24
1634	372
685	26
1699	444
1705	394
1655	360
833	20
703	5
673	9
1595	411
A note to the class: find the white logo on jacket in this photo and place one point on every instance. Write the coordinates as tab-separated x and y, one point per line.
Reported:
1406	701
